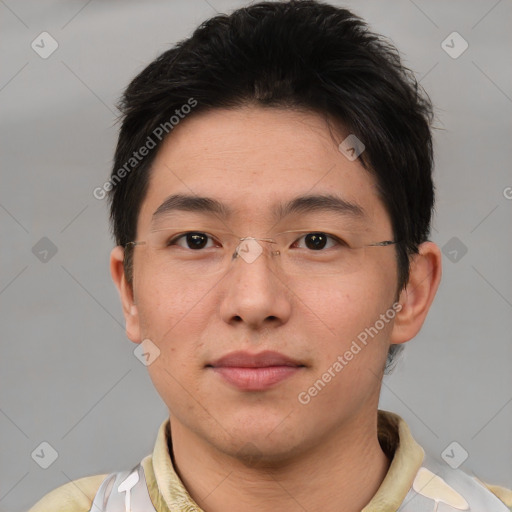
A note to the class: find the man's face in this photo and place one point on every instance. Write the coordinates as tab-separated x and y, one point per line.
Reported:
253	160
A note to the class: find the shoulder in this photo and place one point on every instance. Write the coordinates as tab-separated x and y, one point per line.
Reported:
504	494
455	488
75	496
418	482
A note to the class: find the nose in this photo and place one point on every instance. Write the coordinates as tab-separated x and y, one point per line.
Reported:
255	294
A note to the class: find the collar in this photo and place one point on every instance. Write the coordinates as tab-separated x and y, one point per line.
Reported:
169	494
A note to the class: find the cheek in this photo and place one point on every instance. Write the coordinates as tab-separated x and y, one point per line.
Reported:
174	385
351	358
340	302
173	316
336	316
165	301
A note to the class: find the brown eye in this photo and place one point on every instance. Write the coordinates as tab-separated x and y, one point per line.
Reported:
193	240
196	240
316	241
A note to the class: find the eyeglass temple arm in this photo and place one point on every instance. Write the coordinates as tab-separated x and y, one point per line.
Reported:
383	244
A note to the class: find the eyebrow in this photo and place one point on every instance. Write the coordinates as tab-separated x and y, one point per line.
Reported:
319	203
301	204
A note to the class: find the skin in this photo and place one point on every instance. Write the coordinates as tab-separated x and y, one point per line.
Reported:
248	451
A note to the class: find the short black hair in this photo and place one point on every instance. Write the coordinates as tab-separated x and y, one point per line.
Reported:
299	54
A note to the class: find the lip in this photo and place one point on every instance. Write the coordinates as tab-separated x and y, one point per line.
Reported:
255	372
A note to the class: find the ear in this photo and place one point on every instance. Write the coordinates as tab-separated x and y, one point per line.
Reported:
417	296
125	289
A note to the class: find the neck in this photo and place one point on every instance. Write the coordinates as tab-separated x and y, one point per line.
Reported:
341	474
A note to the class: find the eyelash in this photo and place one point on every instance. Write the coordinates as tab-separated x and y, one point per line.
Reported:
337	240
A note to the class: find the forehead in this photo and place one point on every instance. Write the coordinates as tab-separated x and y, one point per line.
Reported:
257	162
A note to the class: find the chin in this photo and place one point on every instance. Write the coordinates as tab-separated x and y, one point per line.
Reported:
260	453
262	441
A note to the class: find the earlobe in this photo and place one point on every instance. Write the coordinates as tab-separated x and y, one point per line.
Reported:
416	298
125	289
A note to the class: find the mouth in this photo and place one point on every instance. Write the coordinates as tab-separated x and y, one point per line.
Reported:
255	372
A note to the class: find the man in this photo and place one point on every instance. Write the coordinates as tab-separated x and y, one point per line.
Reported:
271	201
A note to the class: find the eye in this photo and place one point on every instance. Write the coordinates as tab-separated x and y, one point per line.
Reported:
316	241
192	240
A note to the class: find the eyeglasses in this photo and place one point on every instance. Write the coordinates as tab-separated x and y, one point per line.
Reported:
195	253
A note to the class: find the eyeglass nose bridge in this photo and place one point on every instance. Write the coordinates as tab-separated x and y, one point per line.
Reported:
249	249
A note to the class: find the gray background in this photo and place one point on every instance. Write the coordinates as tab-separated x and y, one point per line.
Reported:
69	376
